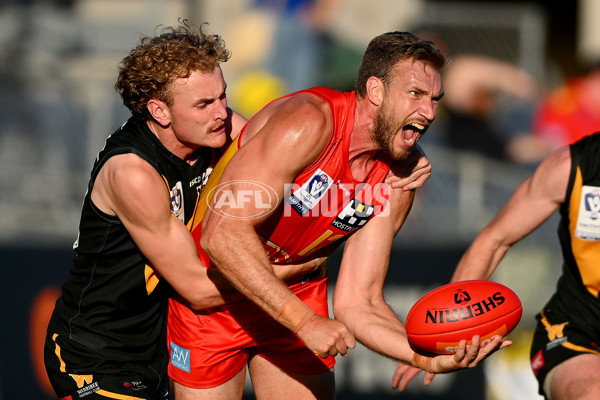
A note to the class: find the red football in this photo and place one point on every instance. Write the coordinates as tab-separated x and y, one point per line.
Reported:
461	310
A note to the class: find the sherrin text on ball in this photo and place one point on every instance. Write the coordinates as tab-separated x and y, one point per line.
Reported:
460	310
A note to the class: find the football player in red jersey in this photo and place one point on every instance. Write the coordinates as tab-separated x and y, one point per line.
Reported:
335	150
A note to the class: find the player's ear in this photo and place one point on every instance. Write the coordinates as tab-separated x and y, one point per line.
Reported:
375	90
159	111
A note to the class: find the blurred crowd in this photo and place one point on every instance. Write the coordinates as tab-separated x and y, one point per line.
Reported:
59	68
491	107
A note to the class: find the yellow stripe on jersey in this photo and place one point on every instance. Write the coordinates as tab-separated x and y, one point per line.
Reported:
580	349
208	192
57	352
151	279
584	251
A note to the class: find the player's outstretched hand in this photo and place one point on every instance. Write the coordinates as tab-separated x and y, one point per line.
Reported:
411	174
465	356
326	337
405	373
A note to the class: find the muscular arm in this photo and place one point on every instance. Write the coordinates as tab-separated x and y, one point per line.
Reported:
278	143
358	299
161	237
531	204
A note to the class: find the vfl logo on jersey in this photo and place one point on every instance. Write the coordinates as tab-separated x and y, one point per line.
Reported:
308	195
353	216
588	220
176	194
180	357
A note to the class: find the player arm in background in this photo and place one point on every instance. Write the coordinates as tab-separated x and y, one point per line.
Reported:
162	237
278	143
530	205
358	299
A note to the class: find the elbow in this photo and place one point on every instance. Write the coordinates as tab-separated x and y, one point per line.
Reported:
339	311
212	242
199	303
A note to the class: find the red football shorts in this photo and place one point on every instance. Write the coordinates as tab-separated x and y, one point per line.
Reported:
207	348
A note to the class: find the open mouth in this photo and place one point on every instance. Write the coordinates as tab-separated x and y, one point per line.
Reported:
411	132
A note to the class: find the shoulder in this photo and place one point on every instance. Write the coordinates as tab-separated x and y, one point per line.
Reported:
551	177
237	123
301	116
129	169
121	180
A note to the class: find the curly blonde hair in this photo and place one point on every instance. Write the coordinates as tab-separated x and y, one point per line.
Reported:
150	68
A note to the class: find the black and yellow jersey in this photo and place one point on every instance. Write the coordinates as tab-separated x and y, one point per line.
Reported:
579	233
113	302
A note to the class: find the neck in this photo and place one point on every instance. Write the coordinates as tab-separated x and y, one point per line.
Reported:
362	150
168	139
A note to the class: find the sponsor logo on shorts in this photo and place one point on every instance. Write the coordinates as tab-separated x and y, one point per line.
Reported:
180	357
89	389
243	199
135	385
537	362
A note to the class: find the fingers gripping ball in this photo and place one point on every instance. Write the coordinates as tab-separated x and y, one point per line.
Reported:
460	310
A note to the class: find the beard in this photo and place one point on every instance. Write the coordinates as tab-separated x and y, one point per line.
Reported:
385	128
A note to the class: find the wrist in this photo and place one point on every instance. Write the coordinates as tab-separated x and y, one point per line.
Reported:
423	362
294	314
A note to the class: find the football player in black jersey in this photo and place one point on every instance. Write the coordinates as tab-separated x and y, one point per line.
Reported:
106	337
565	353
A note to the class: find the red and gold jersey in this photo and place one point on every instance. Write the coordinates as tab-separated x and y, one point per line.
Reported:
325	203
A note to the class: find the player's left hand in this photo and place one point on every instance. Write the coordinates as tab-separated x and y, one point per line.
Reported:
411	173
405	373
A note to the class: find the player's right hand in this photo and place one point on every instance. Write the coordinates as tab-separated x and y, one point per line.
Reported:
326	337
465	356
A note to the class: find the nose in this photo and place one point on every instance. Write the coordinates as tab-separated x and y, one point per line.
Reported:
428	109
221	109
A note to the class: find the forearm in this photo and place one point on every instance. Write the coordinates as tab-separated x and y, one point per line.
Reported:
481	259
239	255
377	327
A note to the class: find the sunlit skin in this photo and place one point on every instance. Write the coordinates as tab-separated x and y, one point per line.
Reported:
416	90
197	115
297	129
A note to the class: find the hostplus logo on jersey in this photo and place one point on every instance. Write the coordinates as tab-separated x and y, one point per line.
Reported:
307	196
180	357
353	216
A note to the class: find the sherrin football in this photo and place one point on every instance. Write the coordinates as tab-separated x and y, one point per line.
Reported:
460	310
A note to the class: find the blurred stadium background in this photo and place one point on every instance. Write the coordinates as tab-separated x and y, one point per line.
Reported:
58	66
